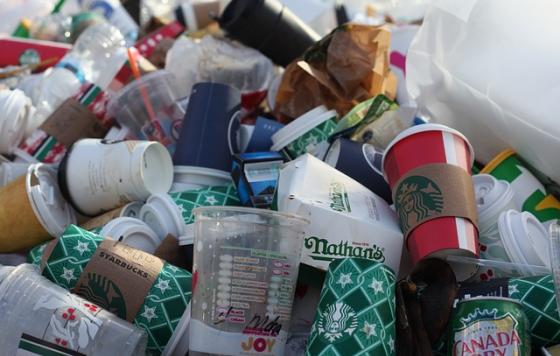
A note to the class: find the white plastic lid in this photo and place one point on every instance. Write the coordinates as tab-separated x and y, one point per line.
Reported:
300	126
52	211
162	215
15	108
423	128
524	238
132	232
492	195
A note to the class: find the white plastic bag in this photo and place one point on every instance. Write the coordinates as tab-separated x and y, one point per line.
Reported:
490	69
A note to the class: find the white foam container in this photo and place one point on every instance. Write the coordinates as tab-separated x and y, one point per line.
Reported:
132	232
192	178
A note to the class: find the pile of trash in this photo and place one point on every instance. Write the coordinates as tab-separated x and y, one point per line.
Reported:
258	177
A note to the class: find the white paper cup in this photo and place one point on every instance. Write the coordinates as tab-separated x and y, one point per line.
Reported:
163	216
96	176
525	240
132	232
193	178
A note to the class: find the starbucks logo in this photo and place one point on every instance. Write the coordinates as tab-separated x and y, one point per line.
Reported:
417	198
337	323
103	292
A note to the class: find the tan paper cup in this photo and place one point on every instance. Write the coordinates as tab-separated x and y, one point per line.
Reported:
32	210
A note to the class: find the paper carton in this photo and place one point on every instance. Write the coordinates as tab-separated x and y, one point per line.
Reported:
347	219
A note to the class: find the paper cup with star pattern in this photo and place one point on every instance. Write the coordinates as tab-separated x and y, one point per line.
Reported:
162	307
308	133
356	312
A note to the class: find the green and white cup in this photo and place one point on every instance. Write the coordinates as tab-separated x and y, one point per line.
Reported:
308	133
164	306
356	313
173	213
529	193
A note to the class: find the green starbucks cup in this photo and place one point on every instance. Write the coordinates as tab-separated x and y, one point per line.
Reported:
130	283
529	193
308	133
356	312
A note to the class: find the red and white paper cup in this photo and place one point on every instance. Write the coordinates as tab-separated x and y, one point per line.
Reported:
447	235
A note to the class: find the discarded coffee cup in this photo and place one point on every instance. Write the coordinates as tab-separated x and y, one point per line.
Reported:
172	213
529	194
427	167
151	293
45	319
362	162
97	176
261	137
356	312
270	27
246	263
32	210
209	133
308	133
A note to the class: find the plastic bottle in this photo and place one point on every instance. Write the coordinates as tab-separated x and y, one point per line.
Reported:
116	14
99	53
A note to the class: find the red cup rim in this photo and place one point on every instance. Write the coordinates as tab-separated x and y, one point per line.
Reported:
423	128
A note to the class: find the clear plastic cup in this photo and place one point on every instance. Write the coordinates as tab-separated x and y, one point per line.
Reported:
244	276
37	314
148	108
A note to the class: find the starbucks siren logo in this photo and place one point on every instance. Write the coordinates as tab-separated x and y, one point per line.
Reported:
417	198
337	323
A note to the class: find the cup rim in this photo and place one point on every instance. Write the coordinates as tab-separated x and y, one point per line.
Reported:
271	213
424	128
300	126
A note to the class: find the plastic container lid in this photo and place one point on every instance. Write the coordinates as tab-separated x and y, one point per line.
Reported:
524	238
424	128
300	126
163	216
492	196
52	211
132	232
14	114
178	344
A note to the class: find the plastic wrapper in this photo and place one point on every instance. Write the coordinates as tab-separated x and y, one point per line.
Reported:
346	67
213	60
490	71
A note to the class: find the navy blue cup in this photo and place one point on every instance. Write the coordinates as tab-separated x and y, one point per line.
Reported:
208	136
261	139
361	162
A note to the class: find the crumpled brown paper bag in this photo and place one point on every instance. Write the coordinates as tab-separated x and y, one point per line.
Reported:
348	66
